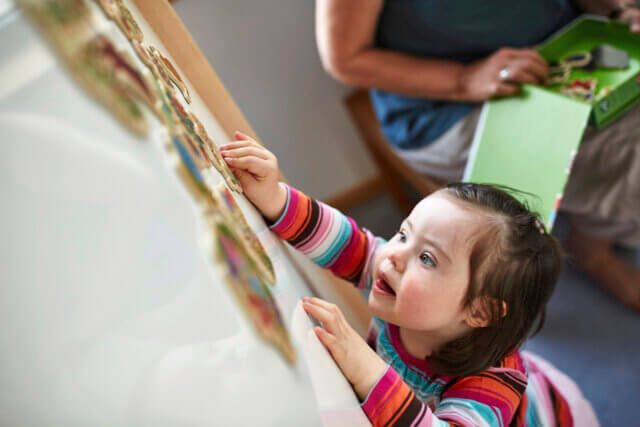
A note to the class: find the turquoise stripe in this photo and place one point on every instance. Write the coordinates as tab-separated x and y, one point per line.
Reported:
423	386
344	233
286	209
533	405
467	405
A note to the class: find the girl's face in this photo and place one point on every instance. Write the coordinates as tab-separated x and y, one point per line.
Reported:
421	275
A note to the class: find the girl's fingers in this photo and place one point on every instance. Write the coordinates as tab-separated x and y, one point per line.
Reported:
253	164
322	303
242	136
245	151
325	338
236	144
327	318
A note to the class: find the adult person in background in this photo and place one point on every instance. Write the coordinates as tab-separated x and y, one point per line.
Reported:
430	63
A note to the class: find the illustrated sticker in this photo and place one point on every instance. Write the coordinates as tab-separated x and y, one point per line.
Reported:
175	78
250	289
109	7
67	23
217	160
106	75
168	73
127	23
232	212
143	53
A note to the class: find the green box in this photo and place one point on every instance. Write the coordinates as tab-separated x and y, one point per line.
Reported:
529	141
584	34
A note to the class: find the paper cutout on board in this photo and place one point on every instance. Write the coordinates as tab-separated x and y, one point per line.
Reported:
127	23
107	74
112	76
212	149
250	288
93	61
230	209
169	73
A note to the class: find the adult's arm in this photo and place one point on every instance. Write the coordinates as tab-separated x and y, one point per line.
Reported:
625	10
345	33
601	7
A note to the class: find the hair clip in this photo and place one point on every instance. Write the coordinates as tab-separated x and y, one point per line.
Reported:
540	226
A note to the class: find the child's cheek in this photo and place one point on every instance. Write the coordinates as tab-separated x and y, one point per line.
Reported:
414	296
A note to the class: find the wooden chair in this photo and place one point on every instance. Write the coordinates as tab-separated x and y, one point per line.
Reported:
393	169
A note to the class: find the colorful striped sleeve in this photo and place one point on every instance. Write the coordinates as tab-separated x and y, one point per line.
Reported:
491	398
331	239
392	402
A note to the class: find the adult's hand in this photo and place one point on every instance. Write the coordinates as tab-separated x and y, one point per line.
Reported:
632	16
502	73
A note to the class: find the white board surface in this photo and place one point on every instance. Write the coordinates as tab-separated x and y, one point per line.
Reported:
112	311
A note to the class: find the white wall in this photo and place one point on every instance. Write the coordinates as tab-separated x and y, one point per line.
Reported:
265	53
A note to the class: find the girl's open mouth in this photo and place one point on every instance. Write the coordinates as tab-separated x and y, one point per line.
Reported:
381	287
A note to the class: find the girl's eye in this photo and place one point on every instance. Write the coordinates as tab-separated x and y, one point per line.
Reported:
402	236
426	259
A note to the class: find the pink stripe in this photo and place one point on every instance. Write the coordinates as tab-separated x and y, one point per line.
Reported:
419	366
483	395
582	412
388	397
544	398
323	228
385	387
455	416
368	266
426	420
350	249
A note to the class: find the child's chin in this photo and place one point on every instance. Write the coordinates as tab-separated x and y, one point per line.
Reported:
378	308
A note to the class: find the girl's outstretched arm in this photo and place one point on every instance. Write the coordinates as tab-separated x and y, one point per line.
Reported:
331	239
256	169
328	237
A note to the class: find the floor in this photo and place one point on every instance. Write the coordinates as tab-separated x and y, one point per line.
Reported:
587	334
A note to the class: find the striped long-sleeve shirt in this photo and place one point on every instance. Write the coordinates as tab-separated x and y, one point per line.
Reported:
409	392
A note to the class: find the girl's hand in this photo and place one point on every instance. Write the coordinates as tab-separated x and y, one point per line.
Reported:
482	80
256	169
358	362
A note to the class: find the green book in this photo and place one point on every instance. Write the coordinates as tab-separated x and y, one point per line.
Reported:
528	142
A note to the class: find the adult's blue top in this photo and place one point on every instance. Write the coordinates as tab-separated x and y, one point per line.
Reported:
459	30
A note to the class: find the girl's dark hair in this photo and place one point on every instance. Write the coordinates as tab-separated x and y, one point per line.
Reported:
513	260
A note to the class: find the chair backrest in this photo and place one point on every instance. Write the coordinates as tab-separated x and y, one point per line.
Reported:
360	108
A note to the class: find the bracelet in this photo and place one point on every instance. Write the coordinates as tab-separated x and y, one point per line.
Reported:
618	11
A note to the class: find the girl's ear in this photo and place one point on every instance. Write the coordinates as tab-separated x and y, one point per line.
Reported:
480	313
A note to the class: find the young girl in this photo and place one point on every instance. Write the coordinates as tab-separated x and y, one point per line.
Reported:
454	294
